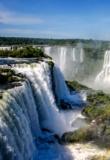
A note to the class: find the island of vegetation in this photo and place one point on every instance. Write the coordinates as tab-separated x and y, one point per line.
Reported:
97	118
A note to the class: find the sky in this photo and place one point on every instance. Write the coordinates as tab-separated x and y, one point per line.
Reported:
86	19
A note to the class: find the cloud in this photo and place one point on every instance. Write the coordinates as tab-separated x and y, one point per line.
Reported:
8	17
34	33
16	31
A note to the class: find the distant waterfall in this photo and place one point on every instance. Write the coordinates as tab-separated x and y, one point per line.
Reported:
81	56
62	58
106	59
74	57
47	50
104	75
69	59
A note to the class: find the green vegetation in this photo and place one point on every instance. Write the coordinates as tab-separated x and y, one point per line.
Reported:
51	63
75	86
26	52
97	115
44	41
8	76
99	157
99	111
82	135
38	41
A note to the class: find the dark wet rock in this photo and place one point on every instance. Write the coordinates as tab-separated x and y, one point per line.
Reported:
1	94
20	75
46	130
66	137
65	105
9	86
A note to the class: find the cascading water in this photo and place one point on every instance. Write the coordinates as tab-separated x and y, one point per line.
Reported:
74	57
81	56
18	124
26	109
39	76
47	50
62	58
104	75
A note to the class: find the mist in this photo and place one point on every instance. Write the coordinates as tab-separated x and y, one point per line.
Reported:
95	73
68	58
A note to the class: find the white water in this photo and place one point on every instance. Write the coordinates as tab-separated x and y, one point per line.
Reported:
48	50
5	48
40	79
74	57
102	80
62	58
81	56
17	131
26	109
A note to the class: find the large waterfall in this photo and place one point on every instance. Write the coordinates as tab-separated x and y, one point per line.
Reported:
25	110
69	59
39	76
104	75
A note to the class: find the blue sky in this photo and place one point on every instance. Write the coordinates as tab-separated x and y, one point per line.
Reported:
55	18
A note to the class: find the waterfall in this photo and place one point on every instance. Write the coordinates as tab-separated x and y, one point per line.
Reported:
104	75
81	56
18	124
39	76
106	59
47	50
61	89
74	57
62	92
69	59
62	58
